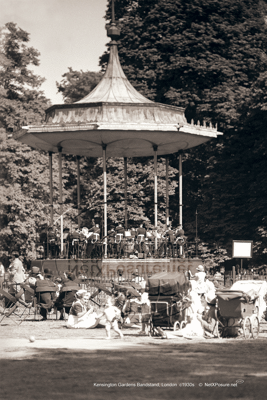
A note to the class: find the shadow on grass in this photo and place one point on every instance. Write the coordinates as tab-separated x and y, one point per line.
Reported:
171	371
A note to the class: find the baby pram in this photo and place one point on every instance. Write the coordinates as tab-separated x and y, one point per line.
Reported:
167	295
236	314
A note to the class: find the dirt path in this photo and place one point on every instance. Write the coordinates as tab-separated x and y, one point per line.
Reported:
82	364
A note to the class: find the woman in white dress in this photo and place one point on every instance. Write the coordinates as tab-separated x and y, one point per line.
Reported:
81	315
193	328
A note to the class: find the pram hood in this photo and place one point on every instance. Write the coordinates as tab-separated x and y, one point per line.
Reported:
167	284
237	294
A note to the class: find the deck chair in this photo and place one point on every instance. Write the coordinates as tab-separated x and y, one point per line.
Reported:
14	307
30	298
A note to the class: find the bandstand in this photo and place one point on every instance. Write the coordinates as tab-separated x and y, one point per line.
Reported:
114	120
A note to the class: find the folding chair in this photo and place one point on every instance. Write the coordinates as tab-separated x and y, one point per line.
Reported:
30	298
14	308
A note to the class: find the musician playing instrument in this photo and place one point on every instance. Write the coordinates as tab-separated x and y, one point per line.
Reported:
119	240
111	242
93	237
170	235
180	238
66	240
75	243
141	234
52	242
96	241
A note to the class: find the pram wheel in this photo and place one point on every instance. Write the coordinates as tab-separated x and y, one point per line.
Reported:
246	325
220	330
182	325
176	326
255	326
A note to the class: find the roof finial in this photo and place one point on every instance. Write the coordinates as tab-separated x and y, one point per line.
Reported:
112	31
112	12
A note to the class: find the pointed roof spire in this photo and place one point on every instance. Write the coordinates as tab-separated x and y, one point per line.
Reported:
114	86
116	116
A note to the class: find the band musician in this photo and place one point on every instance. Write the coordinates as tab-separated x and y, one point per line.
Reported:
75	243
52	243
92	241
111	242
141	235
119	240
180	240
169	235
66	242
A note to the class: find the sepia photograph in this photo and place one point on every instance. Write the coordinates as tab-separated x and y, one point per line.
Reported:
133	226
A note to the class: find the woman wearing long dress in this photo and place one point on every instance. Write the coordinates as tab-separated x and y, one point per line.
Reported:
193	328
81	316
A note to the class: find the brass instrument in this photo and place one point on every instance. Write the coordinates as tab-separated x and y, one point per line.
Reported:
179	240
95	237
118	237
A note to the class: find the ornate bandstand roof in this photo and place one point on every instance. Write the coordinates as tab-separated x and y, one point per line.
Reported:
118	117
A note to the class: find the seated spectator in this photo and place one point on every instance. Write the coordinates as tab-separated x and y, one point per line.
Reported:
46	295
34	275
81	314
208	320
67	294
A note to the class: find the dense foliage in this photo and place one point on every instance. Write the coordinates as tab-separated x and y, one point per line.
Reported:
77	84
210	57
23	172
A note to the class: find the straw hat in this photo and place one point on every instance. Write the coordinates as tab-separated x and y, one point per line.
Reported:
200	268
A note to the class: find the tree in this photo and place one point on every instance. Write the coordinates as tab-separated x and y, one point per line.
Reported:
20	100
24	175
77	84
210	57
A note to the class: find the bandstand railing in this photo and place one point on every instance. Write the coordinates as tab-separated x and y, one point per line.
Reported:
79	250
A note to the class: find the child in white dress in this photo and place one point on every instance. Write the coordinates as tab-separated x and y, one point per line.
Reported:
112	315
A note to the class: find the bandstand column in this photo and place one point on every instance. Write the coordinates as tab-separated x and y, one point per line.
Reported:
78	191
60	198
104	147
167	192
125	194
51	188
156	192
180	195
